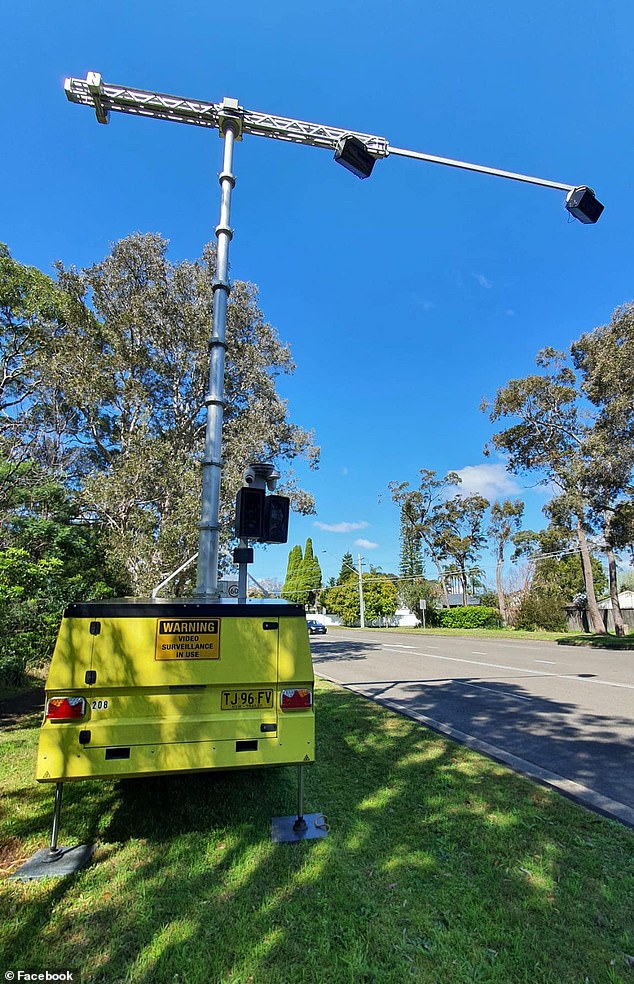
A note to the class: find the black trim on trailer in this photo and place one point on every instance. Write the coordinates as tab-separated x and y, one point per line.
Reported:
182	608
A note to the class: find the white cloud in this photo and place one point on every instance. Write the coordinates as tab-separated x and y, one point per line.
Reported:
491	481
341	527
366	544
482	280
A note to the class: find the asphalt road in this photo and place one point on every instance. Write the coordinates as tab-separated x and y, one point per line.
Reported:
561	715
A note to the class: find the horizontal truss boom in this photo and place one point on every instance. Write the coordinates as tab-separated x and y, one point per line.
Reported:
105	98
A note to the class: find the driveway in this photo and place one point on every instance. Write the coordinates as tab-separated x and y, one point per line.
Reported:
558	714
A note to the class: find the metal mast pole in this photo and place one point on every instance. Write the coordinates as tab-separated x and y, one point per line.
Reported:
209	525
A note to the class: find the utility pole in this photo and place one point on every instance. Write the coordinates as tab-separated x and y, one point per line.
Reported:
361	600
357	152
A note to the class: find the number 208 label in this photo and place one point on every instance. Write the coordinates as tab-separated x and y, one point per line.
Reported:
99	705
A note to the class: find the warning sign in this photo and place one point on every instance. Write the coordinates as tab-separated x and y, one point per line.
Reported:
187	638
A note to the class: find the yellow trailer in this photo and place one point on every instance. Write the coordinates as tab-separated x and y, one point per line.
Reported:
161	686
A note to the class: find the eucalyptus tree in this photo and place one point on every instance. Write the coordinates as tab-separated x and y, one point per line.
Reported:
548	436
460	534
506	518
605	360
422	516
133	363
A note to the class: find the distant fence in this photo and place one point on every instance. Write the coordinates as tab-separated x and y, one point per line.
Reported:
578	619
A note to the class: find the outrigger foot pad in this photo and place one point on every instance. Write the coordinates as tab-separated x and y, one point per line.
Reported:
54	864
291	829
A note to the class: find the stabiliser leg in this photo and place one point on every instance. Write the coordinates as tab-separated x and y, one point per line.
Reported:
55	852
54	861
300	827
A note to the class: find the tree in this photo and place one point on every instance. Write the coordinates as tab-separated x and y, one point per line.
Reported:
311	572
32	318
548	437
557	574
379	595
421	513
48	559
604	358
291	586
140	416
460	533
347	568
506	517
412	587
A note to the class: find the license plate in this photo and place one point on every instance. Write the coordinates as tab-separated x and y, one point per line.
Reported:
238	700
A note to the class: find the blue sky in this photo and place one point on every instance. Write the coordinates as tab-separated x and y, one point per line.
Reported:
406	298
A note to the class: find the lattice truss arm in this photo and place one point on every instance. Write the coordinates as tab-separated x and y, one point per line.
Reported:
105	98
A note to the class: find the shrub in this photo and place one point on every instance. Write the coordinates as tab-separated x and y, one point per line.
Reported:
541	608
469	617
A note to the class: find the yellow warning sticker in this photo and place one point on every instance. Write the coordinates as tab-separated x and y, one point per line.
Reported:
196	638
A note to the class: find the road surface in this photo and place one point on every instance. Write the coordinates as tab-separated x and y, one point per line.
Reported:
562	715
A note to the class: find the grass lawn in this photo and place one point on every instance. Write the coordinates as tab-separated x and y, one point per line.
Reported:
605	641
440	866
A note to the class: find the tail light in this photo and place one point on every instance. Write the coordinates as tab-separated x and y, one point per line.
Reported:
65	709
295	700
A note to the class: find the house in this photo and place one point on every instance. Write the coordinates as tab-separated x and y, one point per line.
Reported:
578	617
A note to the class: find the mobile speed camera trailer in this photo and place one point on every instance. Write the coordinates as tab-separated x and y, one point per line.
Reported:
147	686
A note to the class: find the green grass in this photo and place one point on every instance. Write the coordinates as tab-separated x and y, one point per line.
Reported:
440	866
598	641
605	641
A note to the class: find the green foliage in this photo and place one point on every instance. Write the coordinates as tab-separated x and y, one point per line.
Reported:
303	575
33	595
469	617
343	600
348	569
48	558
379	595
291	585
541	608
410	594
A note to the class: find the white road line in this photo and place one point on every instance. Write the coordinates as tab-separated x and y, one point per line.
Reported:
479	686
551	661
475	652
524	669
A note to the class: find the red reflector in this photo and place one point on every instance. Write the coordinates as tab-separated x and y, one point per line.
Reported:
291	700
65	708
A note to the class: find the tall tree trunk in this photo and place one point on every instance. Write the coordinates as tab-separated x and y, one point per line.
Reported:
617	614
498	584
594	615
463	582
443	583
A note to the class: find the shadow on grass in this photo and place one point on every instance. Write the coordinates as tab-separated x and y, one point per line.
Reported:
597	641
439	866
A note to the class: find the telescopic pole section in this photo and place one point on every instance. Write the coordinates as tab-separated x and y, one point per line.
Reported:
209	526
300	825
54	851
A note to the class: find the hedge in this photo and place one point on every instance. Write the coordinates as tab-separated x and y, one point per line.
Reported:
469	617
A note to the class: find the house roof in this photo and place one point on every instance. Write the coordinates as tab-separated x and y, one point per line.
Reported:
626	600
